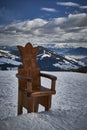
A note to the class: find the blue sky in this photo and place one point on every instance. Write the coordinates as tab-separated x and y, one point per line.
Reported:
62	22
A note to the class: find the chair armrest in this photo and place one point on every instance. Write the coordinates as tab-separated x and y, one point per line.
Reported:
28	80
52	78
21	77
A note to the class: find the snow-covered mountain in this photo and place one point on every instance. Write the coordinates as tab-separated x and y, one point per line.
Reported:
77	51
47	59
8	60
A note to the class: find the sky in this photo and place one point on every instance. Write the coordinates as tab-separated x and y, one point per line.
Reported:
60	22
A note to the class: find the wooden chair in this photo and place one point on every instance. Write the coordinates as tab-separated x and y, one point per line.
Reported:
30	91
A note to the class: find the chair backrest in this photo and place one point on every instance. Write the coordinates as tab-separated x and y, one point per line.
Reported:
29	67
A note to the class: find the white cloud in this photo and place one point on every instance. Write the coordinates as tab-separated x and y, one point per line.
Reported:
71	4
71	29
48	9
83	7
67	4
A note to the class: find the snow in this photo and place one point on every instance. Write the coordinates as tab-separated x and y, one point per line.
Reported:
7	54
9	61
3	51
69	105
77	61
66	66
70	58
45	55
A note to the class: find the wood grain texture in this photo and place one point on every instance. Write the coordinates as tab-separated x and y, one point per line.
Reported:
30	91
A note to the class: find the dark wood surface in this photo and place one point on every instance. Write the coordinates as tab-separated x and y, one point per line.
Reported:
30	91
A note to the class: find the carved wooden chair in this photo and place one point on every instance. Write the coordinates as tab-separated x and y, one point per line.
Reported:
30	91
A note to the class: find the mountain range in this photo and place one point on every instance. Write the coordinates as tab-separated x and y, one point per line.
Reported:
49	58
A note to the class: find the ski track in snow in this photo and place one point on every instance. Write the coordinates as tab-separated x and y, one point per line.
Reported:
69	105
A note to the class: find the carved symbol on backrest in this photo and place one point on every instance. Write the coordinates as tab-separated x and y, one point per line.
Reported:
28	55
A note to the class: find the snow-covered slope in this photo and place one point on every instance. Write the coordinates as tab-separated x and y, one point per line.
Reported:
69	105
9	61
47	59
66	50
7	54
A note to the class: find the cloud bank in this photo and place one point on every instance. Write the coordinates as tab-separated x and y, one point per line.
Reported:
71	30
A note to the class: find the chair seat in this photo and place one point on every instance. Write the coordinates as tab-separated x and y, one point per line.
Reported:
42	91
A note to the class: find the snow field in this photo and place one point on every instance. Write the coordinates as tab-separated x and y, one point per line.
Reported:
69	105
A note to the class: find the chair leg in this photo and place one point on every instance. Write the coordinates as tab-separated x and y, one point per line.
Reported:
33	106
47	109
48	105
45	101
19	109
36	106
